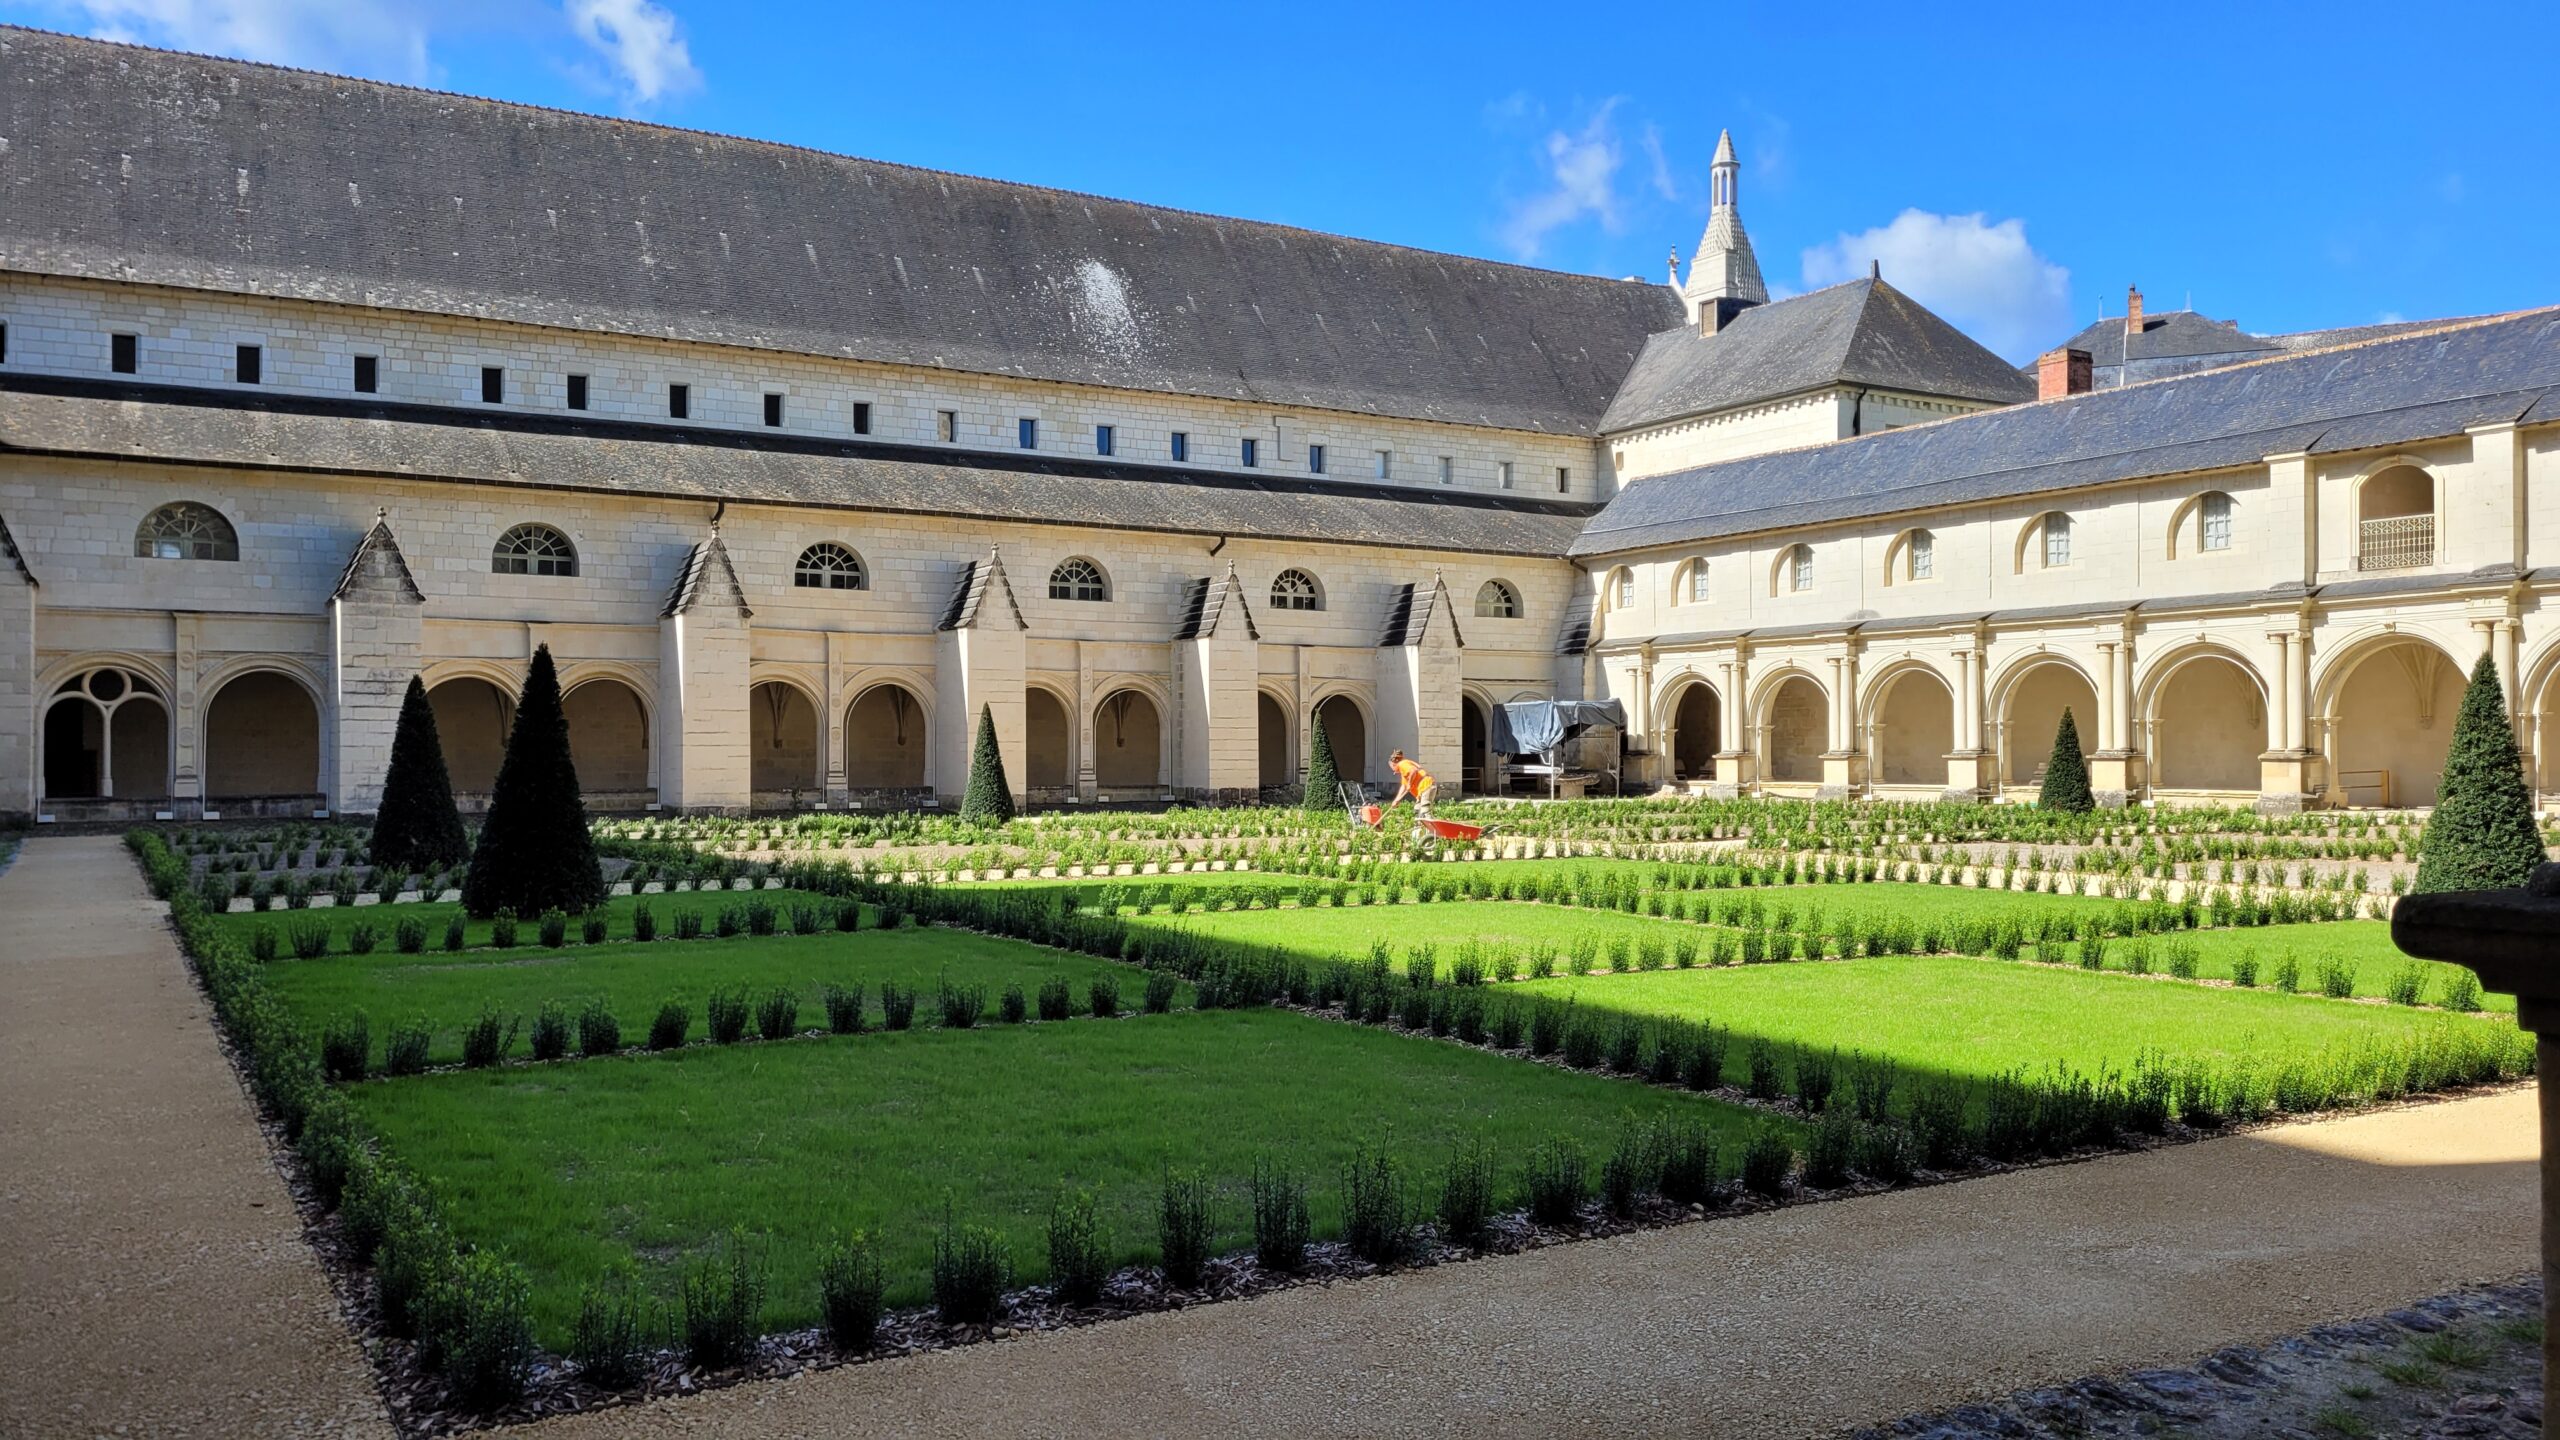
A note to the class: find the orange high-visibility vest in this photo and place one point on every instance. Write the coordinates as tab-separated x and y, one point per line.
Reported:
1415	780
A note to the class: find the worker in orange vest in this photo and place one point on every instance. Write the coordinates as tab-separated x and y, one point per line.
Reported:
1412	780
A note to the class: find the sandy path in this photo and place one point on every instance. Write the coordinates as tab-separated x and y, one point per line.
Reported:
153	1278
1800	1322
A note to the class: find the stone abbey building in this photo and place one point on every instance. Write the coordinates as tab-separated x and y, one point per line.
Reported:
798	462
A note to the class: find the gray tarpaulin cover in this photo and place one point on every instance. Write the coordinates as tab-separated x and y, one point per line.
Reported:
1529	727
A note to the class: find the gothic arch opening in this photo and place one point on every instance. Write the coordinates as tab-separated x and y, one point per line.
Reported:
2390	723
106	736
608	737
1347	730
2208	727
261	738
2034	714
782	740
1799	728
1271	718
1915	728
1049	742
1697	733
1475	756
472	721
885	740
1128	744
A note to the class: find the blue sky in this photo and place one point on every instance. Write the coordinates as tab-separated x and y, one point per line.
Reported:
2015	167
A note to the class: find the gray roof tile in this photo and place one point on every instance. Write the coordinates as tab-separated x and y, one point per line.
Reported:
146	167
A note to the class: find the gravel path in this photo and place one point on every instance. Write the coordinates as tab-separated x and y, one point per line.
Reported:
153	1275
1800	1322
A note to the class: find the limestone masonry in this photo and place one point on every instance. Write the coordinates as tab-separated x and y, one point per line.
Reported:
798	462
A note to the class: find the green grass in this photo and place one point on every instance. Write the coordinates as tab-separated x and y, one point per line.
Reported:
568	1168
1962	1017
449	991
2365	944
436	914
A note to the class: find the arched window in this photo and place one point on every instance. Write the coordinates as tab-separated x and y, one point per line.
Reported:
1691	584
533	550
1497	601
1920	557
2213	522
1618	592
2396	519
829	566
186	531
1795	570
1296	590
2057	540
1078	579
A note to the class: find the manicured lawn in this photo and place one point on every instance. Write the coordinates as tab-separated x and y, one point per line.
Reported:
633	980
1969	1018
1345	934
436	914
2364	944
568	1168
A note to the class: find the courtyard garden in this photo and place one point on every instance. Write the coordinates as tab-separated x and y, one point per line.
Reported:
740	1096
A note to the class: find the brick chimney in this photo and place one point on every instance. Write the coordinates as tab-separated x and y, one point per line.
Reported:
2062	372
2132	310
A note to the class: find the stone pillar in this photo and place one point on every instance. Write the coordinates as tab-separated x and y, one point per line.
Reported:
2285	770
979	662
703	649
2115	769
1735	772
1419	685
1967	763
1844	769
1658	758
19	711
186	716
374	628
1217	666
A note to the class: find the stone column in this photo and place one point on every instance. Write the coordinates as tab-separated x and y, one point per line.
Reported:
703	647
2284	771
2115	769
1965	760
1844	771
374	632
1219	756
1734	773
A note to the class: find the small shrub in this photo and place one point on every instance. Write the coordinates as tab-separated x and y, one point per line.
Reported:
897	1005
2462	992
550	1031
346	1047
609	1342
1104	997
843	1007
1555	1183
1280	1220
404	1050
778	1018
667	1031
484	1331
2337	979
2408	984
598	1032
1466	1196
849	1293
455	935
488	1039
591	928
688	924
728	1016
1632	1168
2288	977
1374	1222
502	930
961	1005
262	944
553	927
971	1268
1764	1072
1013	1007
1834	1150
2244	972
1183	1229
761	917
1079	1254
723	1304
310	940
1889	1152
362	938
1160	989
1768	1164
729	922
1688	1164
644	922
409	936
1057	998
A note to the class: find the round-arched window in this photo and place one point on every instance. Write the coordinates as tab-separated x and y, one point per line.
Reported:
829	566
1498	601
533	550
186	531
1296	590
1078	579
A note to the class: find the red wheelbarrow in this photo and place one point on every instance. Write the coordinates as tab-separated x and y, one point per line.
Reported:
1368	812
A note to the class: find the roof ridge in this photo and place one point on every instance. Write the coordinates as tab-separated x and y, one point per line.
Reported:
812	150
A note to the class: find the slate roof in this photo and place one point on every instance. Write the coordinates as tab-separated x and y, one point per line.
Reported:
707	575
376	563
1409	614
9	547
147	167
52	415
978	580
2178	342
1205	602
2409	387
1862	333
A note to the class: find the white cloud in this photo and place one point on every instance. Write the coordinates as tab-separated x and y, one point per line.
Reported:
1983	277
1663	183
382	39
1580	177
639	40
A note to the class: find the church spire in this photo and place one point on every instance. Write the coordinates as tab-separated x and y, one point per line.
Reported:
1724	276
